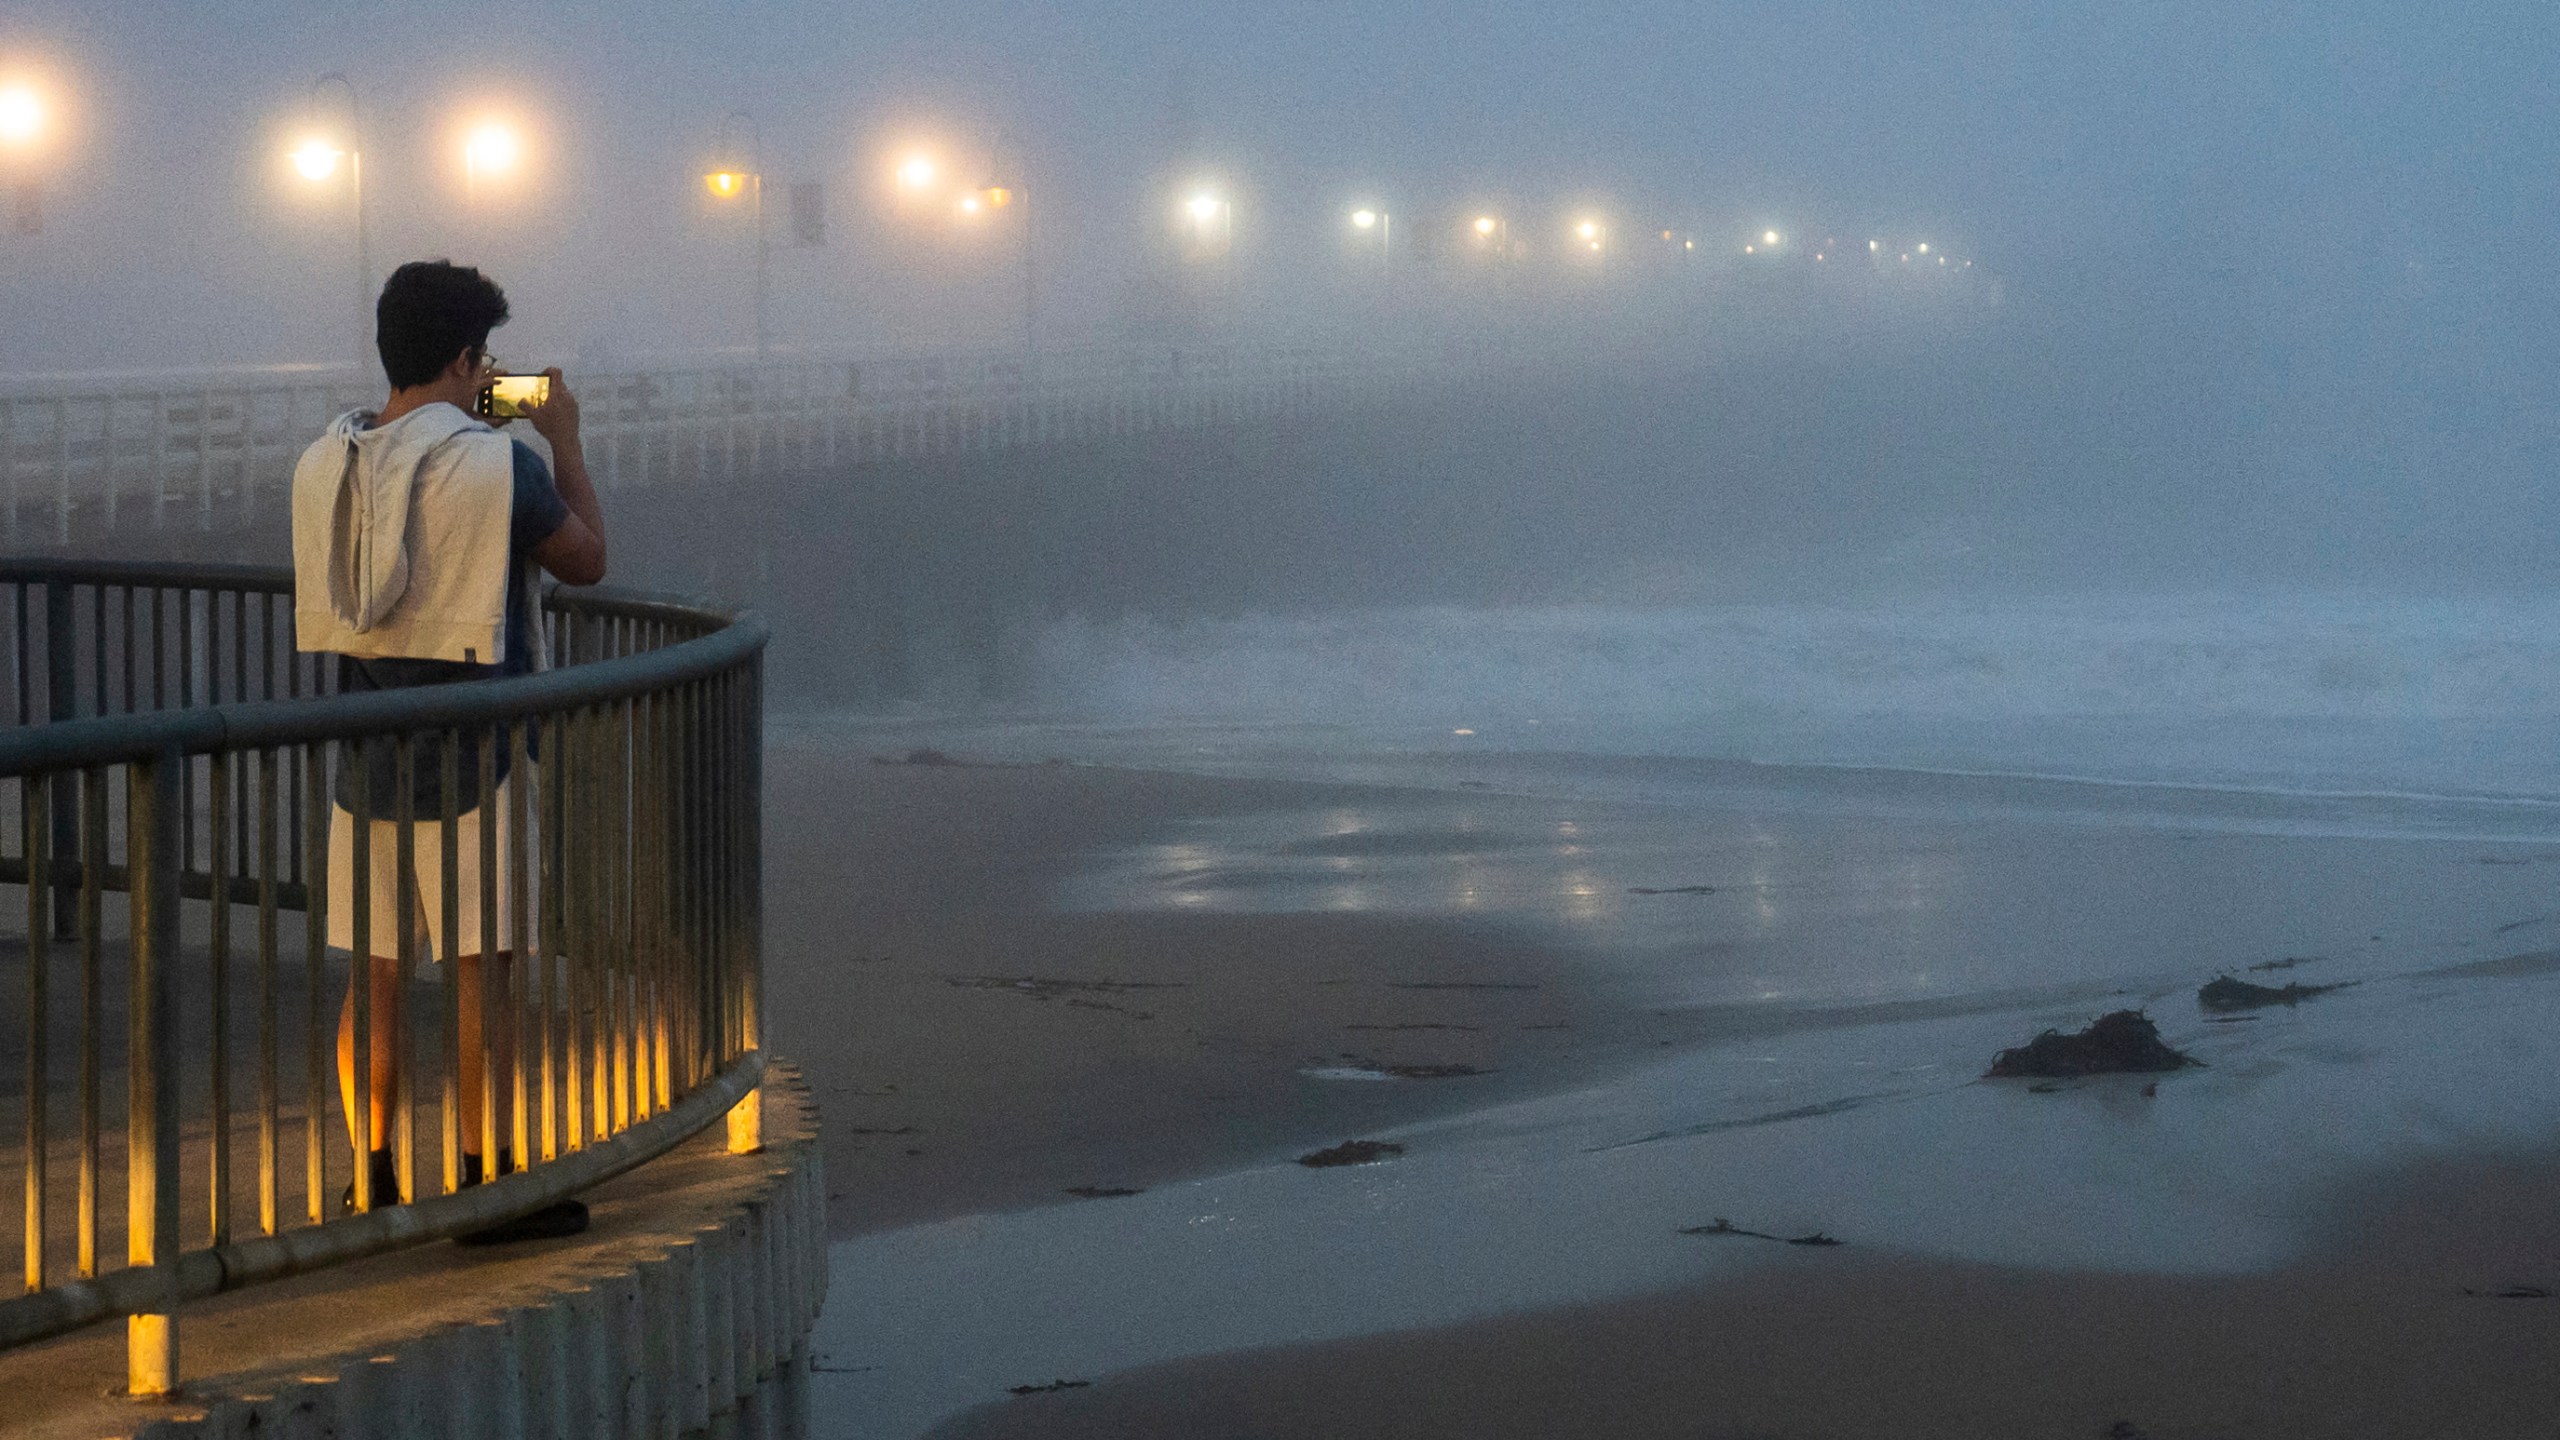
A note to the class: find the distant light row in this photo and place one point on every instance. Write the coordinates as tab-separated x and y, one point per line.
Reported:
493	150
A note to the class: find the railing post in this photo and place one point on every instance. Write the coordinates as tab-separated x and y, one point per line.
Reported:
737	775
152	1046
746	1124
62	702
62	471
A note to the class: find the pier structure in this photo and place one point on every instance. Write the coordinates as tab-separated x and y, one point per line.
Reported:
202	1242
207	451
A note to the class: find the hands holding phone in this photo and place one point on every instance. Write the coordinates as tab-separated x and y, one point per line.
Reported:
556	418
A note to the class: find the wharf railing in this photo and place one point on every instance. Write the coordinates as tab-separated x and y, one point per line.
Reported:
579	848
215	449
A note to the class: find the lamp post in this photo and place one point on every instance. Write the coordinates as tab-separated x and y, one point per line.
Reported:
1021	193
317	161
23	119
1365	219
1211	220
729	183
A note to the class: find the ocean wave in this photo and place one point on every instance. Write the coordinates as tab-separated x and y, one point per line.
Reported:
2324	690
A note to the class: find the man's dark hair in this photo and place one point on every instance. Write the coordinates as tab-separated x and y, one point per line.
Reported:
430	312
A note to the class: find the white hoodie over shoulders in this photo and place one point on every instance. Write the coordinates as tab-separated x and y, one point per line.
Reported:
400	537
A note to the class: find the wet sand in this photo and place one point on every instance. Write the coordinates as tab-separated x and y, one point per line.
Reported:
908	906
2399	1326
904	904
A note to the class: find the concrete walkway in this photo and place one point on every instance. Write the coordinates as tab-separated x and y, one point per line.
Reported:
682	1310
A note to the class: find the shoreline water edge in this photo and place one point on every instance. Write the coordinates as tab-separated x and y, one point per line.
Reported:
1076	1025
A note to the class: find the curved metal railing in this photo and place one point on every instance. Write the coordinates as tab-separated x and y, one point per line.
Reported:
107	455
578	847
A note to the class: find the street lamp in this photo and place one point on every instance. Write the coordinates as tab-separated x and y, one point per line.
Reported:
1591	236
730	183
491	151
997	196
317	160
23	118
917	173
1365	220
1211	219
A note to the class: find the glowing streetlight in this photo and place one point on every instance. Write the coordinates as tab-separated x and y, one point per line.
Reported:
331	146
999	195
1210	218
22	116
317	160
1366	220
23	120
1769	238
1873	247
917	172
492	149
1485	226
733	182
1923	247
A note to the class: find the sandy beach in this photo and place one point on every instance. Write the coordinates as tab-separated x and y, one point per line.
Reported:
976	1049
1072	1026
2396	1326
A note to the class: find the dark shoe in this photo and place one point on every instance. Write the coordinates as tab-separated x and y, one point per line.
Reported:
552	1222
471	1173
386	1184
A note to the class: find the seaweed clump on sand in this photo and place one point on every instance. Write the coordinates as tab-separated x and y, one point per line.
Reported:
1351	1152
2115	1043
1727	1227
2225	993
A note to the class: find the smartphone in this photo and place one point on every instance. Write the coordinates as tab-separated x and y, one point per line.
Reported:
511	397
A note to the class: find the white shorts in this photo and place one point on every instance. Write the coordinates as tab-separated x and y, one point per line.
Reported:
427	855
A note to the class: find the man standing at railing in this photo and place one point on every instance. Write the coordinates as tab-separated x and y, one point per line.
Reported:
418	531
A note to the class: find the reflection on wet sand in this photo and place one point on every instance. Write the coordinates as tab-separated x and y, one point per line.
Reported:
1826	984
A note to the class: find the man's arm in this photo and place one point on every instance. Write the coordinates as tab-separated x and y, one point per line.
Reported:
575	552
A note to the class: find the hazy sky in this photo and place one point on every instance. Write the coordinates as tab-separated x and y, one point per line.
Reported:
2313	158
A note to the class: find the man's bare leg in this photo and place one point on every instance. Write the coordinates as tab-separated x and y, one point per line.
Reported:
496	972
383	1074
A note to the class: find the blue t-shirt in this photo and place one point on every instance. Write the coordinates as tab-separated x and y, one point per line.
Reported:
536	513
